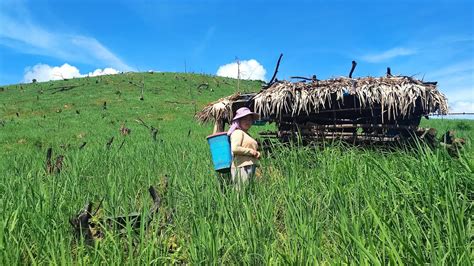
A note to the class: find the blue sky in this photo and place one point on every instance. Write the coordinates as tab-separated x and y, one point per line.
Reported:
433	39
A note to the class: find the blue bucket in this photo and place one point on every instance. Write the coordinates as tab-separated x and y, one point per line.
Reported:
220	151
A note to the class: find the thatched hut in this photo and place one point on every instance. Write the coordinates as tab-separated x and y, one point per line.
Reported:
358	109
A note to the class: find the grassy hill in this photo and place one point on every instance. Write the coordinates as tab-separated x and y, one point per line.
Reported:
72	111
339	204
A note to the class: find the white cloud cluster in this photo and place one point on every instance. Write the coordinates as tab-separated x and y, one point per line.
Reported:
388	54
43	72
462	107
249	69
456	82
101	72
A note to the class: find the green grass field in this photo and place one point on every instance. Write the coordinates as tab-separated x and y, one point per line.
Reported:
334	205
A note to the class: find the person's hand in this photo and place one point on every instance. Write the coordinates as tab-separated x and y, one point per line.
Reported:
256	154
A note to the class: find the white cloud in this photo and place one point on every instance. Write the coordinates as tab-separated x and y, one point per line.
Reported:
463	67
462	106
105	71
455	81
22	34
100	52
43	72
249	69
386	55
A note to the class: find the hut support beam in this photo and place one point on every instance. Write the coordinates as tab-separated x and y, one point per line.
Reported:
218	126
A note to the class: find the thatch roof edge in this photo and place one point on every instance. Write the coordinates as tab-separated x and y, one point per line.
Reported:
396	94
220	109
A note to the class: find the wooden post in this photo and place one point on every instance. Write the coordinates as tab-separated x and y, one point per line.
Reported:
354	64
276	71
238	73
218	126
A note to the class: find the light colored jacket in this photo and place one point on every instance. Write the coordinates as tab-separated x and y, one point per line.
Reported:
242	145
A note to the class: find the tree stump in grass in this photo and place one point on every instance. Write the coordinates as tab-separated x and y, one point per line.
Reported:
153	132
81	224
59	164
124	131
427	135
82	145
49	165
451	143
55	168
109	143
93	229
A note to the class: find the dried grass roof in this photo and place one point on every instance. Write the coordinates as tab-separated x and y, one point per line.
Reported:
220	109
396	95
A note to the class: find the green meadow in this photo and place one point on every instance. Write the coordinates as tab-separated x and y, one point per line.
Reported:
326	204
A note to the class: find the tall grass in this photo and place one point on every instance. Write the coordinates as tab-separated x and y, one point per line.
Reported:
337	205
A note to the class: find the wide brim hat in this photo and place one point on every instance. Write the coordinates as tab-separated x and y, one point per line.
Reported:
244	111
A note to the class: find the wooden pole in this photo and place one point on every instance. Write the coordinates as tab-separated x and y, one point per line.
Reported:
354	64
276	69
218	126
238	73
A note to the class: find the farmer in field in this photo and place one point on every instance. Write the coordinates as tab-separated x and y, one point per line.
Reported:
244	148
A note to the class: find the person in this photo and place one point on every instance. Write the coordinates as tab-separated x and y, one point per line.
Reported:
245	155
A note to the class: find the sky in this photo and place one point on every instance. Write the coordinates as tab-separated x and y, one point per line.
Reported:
430	40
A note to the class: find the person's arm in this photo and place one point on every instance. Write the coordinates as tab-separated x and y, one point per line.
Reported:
236	144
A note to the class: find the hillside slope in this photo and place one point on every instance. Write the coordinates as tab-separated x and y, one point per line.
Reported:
93	109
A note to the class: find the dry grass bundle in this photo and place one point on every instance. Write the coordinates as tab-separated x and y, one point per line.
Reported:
397	95
220	109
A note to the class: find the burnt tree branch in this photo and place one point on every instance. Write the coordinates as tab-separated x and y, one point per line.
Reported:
272	80
354	64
